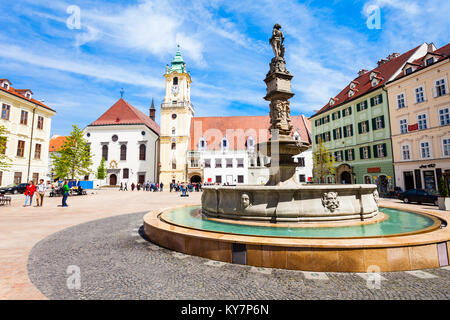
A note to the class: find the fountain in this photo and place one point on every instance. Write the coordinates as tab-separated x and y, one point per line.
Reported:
284	224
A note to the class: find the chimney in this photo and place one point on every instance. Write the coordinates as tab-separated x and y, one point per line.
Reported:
380	62
362	71
152	112
393	56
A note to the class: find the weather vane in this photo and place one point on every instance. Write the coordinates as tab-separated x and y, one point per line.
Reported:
121	93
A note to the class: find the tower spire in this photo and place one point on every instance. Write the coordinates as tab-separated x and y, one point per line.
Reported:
152	110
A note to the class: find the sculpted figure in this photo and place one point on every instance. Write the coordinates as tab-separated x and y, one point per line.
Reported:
245	201
330	200
276	41
376	196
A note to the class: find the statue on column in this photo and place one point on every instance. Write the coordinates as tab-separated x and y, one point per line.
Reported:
277	41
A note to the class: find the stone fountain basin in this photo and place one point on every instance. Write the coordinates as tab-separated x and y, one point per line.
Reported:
302	203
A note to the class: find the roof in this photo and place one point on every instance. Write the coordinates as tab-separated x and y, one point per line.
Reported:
123	113
21	94
363	83
177	63
440	54
56	143
238	129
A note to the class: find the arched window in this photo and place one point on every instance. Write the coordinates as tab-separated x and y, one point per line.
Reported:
174	164
173	131
142	151
123	152
202	144
174	146
296	136
105	152
126	173
175	81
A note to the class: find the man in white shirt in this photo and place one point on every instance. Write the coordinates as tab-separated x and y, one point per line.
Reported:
40	192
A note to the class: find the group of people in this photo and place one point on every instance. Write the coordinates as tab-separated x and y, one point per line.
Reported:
185	187
148	186
40	190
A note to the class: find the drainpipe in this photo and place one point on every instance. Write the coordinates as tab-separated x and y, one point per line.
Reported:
31	145
156	167
390	136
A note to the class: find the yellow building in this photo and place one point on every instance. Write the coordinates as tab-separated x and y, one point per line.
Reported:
176	114
27	122
419	109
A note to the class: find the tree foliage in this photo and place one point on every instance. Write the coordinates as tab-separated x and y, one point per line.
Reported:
74	158
443	191
101	170
5	162
324	163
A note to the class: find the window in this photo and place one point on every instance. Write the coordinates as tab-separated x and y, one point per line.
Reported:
301	178
420	97
446	147
105	152
114	138
173	131
6	109
376	100
194	163
35	177
361	106
347	111
406	155
174	146
444	116
37	151
175	81
142	151
20	148
174	164
429	61
207	163
123	152
326	136
240	162
349	155
24	117
338	156
422	121
440	88
218	163
125	173
326	119
240	179
337	133
401	101
17	177
218	179
224	143
336	115
301	161
408	70
348	130
380	150
378	123
40	122
363	127
425	150
364	152
229	163
174	115
403	126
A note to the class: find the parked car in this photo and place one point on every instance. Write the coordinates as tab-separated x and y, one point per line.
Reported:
419	196
14	188
394	193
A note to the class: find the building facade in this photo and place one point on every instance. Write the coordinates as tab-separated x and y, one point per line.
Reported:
176	114
419	103
128	141
28	123
355	127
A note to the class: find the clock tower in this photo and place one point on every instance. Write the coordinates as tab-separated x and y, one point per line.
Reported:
176	114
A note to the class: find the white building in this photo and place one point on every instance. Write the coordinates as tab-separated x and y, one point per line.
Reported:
128	140
27	122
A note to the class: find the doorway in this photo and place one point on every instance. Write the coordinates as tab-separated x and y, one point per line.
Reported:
112	180
141	178
382	184
408	177
346	177
196	179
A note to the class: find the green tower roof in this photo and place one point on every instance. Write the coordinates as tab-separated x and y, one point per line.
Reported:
177	63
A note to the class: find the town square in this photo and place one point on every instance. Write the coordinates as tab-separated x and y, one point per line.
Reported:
223	151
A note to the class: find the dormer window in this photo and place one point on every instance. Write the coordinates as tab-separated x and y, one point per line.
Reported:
375	82
296	136
408	70
429	61
331	102
5	85
202	144
224	143
351	93
372	75
28	95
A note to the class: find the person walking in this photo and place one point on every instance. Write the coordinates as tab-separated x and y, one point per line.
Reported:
29	192
121	187
65	193
161	186
132	186
41	188
126	187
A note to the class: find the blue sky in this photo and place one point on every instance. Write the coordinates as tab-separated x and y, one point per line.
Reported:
126	44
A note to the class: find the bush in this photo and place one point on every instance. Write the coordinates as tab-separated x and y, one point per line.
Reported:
443	191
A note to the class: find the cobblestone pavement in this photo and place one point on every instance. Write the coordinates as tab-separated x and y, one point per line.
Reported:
116	262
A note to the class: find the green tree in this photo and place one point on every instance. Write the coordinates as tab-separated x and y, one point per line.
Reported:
101	170
74	158
323	163
443	191
5	162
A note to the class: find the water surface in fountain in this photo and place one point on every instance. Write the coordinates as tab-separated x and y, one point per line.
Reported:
397	223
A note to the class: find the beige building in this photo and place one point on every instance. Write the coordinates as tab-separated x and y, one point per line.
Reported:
27	122
176	114
419	110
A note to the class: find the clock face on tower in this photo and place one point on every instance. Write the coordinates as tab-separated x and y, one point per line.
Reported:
175	89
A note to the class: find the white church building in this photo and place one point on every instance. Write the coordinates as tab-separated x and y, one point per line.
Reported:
128	140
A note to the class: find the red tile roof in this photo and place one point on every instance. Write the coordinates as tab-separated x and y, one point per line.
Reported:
56	143
384	73
440	54
238	129
123	113
21	94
